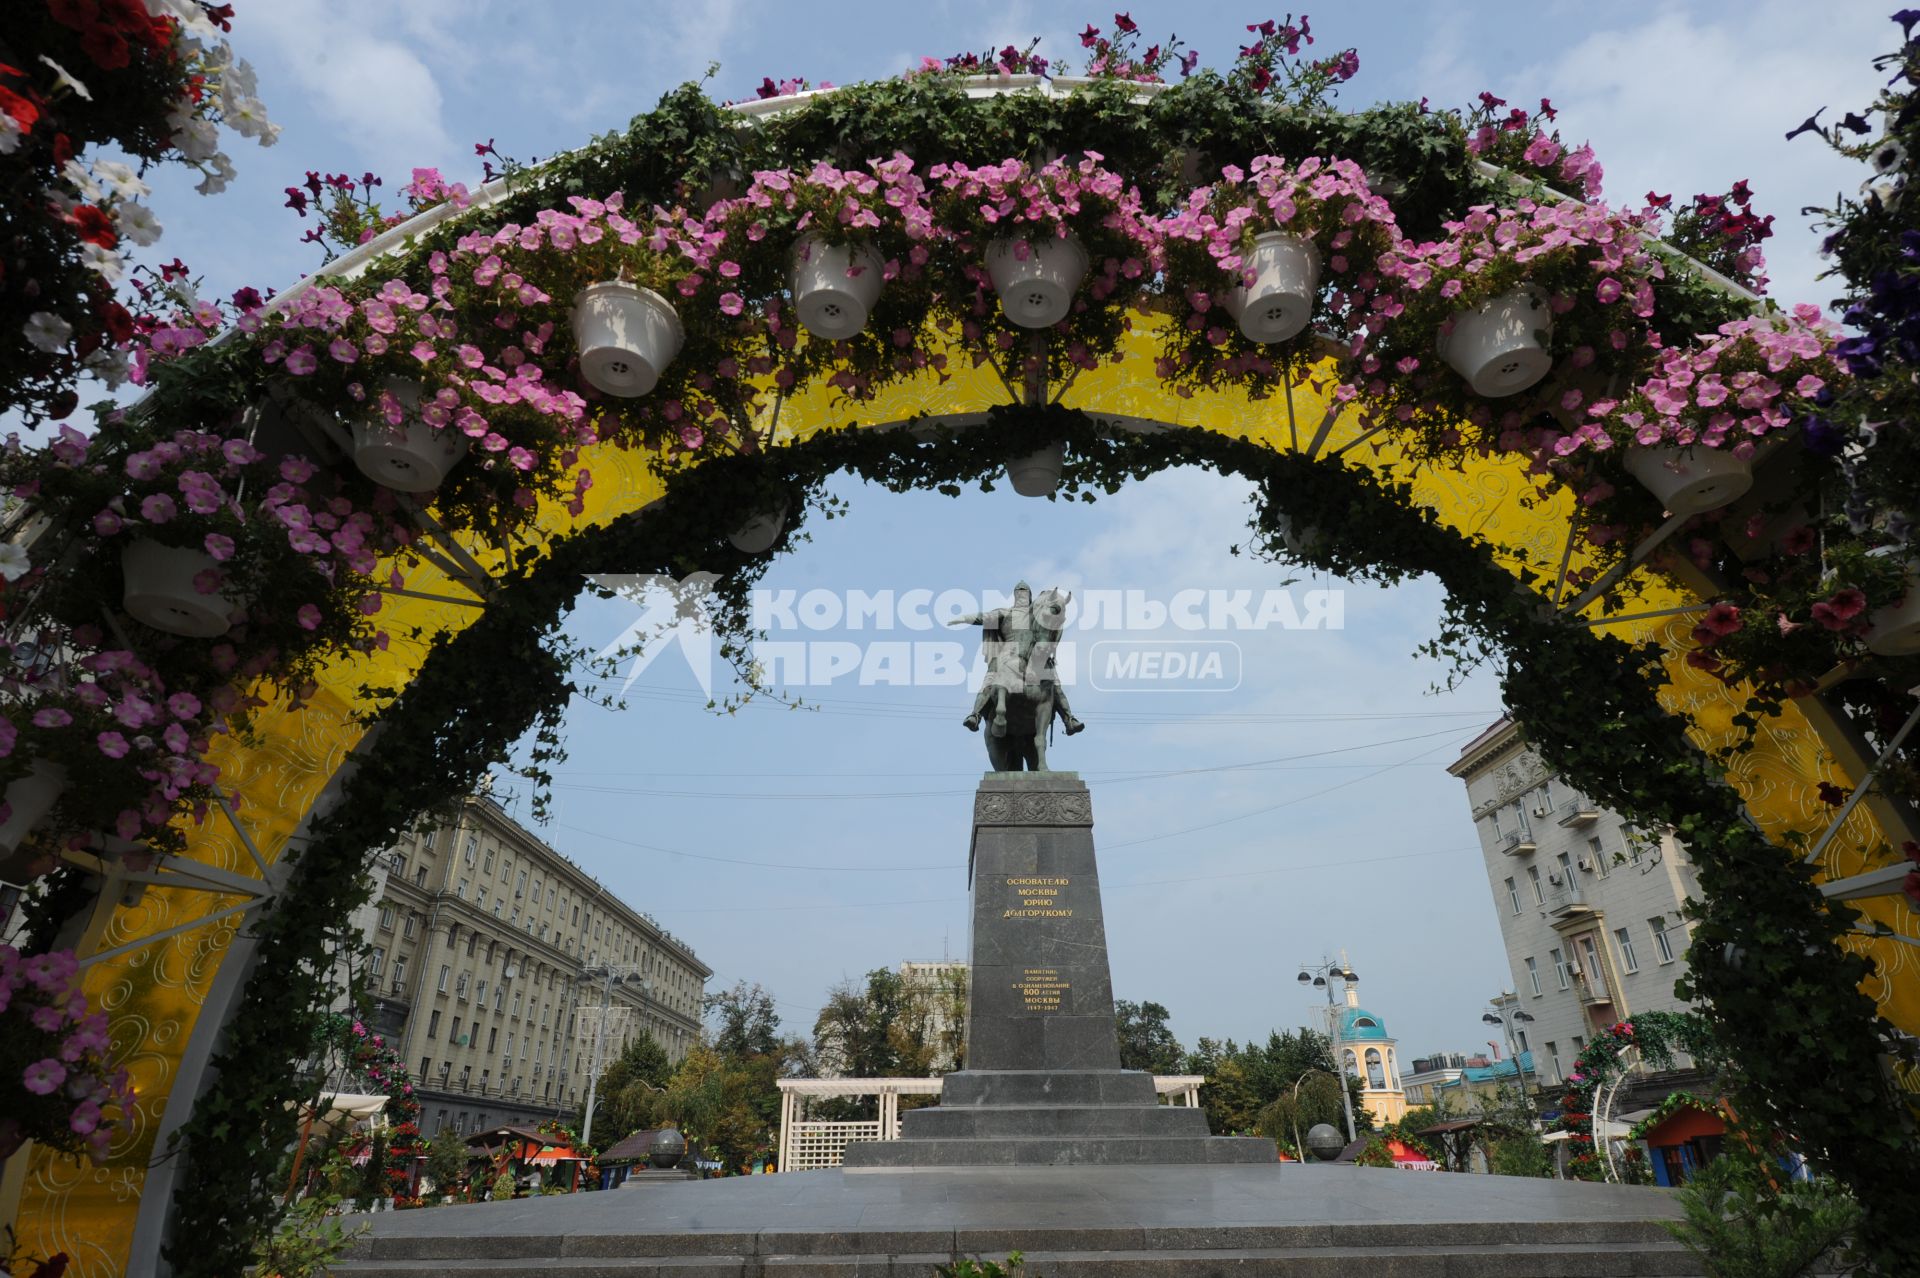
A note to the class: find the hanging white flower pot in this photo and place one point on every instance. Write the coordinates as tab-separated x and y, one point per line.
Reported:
1690	481
1038	473
30	797
1894	631
757	535
626	336
834	286
1285	270
159	590
1036	277
412	457
1500	345
1301	540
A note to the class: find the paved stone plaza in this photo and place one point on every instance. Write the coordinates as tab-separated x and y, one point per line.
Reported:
1133	1221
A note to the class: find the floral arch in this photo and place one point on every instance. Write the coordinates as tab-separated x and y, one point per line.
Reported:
390	483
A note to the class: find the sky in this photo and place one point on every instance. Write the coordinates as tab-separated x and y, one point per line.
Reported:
1303	813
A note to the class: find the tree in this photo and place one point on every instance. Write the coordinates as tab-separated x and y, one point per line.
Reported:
624	1098
446	1160
1291	1115
1242	1082
743	1021
1145	1041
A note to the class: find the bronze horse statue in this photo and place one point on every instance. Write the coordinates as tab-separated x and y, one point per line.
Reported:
1022	687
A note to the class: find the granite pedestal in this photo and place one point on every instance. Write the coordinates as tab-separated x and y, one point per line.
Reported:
1043	1084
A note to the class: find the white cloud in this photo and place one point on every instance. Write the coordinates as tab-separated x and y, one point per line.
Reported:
380	92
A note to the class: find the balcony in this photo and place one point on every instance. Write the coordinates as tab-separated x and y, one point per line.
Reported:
1592	988
1580	816
1517	843
1565	899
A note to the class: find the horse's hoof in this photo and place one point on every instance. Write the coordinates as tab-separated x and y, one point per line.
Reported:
1074	725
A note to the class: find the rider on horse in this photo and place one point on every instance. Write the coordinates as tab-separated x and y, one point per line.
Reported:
1017	642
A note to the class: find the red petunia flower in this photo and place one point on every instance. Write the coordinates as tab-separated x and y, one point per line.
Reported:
94	225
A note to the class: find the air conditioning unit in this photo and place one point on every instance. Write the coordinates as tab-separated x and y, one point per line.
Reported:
1586	865
1554	879
1541	809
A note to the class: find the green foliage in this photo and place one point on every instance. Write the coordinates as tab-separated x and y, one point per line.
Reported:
624	1097
1145	1041
973	1267
502	1186
1519	1155
1738	1224
1374	1153
308	1240
447	1161
744	1022
1243	1083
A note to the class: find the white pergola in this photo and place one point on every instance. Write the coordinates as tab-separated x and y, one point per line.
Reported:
809	1145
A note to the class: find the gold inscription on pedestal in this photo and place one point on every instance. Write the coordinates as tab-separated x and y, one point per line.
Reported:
1038	898
1041	989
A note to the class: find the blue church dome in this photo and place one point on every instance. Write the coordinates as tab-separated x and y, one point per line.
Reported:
1358	1025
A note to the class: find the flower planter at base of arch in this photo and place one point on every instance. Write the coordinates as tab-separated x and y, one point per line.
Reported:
626	336
1286	282
1037	291
1894	631
757	535
834	286
1693	480
159	590
29	799
412	457
1500	345
1301	540
1038	473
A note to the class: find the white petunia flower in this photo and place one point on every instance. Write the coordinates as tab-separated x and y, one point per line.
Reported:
105	263
80	179
191	17
137	223
120	179
47	331
239	80
109	364
13	561
217	172
9	134
248	118
196	139
63	80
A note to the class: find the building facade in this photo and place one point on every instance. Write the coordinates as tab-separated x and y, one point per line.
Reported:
481	940
1371	1054
1590	909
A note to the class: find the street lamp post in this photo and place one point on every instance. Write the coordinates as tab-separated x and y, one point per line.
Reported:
612	972
1321	976
1299	1146
1504	1014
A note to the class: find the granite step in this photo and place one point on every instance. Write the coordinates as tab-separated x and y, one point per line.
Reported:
1493	1260
1056	1151
1047	1087
1040	1121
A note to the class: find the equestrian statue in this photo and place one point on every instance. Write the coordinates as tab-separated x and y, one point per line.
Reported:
1022	687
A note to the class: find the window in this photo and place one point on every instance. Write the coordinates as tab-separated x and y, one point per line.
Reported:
1533	877
487	861
386	918
1559	967
1533	976
1553	1054
473	940
1513	895
460	891
509	1044
480	992
480	899
398	864
551	894
454	1037
425	1063
516	1003
500	998
576	916
433	1028
1520	1037
520	887
420	877
460	986
378	961
1579	1044
1625	940
413	921
400	969
493	1041
1599	855
1662	943
486	1076
473	848
446	973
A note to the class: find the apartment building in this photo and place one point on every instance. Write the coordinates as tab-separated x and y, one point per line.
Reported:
488	952
1590	908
